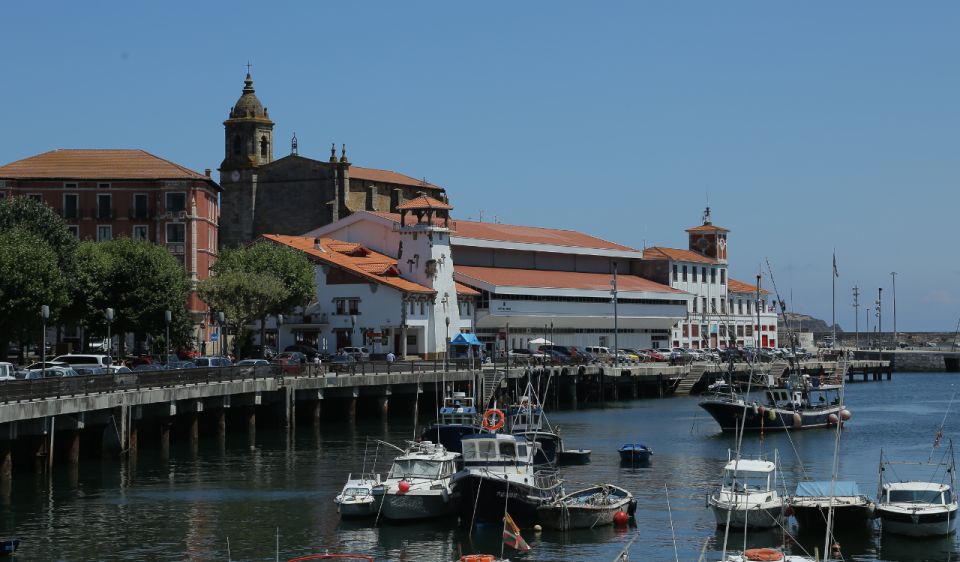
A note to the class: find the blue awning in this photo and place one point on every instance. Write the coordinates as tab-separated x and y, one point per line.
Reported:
465	339
821	489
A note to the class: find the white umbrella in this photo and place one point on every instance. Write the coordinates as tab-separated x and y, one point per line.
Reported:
541	341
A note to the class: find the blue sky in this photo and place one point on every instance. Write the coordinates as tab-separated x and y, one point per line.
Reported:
809	125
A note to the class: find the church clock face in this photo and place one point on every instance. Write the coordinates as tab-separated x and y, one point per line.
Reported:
235	175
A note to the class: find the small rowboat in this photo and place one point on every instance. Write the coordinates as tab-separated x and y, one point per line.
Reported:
584	509
634	453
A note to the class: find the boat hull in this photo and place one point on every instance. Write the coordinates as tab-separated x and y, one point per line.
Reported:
485	498
574	456
425	504
576	511
813	518
635	456
729	414
927	524
355	510
754	518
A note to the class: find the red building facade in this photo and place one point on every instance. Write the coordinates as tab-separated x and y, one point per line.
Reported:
105	194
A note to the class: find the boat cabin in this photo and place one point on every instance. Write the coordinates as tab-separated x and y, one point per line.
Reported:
458	409
427	461
500	449
917	493
525	417
814	397
749	476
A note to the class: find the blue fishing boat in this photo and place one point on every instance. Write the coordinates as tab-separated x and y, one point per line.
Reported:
634	453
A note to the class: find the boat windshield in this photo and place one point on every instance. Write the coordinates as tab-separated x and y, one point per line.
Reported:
918	496
487	450
415	468
746	481
356	492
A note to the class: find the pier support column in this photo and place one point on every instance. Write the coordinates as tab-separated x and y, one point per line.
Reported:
285	408
38	450
352	409
221	424
6	460
164	428
383	406
72	446
572	394
316	410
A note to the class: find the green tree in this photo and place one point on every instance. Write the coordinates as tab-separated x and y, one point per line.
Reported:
30	277
254	282
140	281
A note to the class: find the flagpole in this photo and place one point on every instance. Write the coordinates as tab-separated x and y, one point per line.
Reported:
833	279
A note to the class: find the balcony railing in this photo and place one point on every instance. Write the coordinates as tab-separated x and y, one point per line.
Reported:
176	247
101	214
139	214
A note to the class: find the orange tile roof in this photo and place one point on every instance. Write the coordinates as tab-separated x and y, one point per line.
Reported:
544	279
707	228
676	254
368	265
520	234
464	290
119	164
734	286
424	202
389	176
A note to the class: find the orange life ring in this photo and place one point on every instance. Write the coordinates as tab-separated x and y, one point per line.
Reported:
478	558
763	554
493	414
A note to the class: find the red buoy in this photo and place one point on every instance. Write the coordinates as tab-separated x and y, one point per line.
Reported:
620	519
403	486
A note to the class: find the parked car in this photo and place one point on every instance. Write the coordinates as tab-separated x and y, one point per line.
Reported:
289	357
358	353
341	363
7	372
252	362
49	364
213	361
85	370
119	369
560	349
600	352
521	353
85	360
654	355
51	372
306	350
262	352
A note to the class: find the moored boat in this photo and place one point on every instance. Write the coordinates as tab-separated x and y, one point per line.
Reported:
747	497
811	502
584	509
456	418
357	499
917	509
634	453
419	485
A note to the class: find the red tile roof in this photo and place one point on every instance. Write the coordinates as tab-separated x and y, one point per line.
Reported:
519	234
734	286
707	228
389	176
424	202
543	279
119	164
366	264
676	254
464	290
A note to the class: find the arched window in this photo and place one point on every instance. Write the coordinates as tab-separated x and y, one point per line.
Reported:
236	144
263	146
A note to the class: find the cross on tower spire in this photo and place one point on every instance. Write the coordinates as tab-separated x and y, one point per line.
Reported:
249	66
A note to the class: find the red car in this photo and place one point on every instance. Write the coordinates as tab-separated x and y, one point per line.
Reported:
655	355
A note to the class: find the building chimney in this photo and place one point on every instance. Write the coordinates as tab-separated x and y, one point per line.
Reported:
317	245
207	172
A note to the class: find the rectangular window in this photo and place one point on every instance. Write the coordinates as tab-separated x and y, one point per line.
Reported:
354	306
74	229
695	330
3	195
749	307
694	301
713	275
341	306
104	232
176	202
684	273
103	186
739	331
141	232
35	197
176	233
675	276
723	306
739	306
422	308
140	206
71	204
713	305
686	331
704	301
723	276
104	206
694	274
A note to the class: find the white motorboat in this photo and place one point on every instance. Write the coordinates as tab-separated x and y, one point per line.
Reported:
748	498
357	498
419	485
918	509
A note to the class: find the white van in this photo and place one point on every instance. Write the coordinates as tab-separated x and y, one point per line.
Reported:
7	371
85	360
599	351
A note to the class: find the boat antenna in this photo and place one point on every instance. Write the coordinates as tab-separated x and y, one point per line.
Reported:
673	533
936	441
278	546
229	558
416	407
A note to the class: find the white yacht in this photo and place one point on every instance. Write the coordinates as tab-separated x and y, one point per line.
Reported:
919	509
419	485
748	498
357	498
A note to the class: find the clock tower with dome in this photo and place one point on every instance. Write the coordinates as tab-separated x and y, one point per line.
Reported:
248	144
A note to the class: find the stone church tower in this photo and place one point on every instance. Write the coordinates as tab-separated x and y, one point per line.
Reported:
248	144
294	194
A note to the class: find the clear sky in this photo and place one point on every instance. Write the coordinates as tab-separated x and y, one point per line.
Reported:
809	125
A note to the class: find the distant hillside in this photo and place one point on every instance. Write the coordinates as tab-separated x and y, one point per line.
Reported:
805	323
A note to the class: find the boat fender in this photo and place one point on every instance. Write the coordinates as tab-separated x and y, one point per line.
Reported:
788	511
763	554
832	419
403	487
756	409
445	496
797	420
772	415
845	414
478	558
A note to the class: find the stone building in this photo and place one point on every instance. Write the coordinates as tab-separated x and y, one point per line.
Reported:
295	194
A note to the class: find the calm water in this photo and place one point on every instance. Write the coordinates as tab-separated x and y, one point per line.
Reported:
186	509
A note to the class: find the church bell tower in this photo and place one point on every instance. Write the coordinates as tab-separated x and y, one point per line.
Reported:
708	239
248	144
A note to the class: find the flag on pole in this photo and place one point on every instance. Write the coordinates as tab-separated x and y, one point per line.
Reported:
936	442
511	535
835	272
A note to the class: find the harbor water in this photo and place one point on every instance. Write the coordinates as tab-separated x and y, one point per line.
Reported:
280	489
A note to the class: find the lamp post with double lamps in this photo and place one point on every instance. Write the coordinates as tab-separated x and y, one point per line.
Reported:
167	316
446	345
222	336
279	347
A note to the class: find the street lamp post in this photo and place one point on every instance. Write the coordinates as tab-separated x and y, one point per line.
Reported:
446	345
616	320
879	317
279	347
167	316
353	326
222	336
856	314
44	316
109	316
